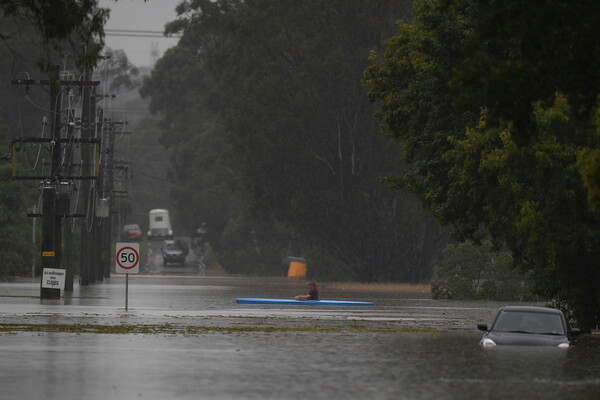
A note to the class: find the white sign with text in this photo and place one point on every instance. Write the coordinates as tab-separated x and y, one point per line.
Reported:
54	278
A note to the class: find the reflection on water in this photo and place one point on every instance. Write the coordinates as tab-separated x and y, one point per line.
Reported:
444	364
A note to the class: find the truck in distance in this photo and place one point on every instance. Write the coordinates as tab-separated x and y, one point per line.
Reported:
159	226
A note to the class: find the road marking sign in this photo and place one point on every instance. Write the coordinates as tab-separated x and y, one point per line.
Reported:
128	258
53	278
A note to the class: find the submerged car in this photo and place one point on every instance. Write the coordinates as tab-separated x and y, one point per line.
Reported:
131	232
174	252
528	326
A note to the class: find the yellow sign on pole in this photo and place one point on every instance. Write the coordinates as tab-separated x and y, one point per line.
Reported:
47	254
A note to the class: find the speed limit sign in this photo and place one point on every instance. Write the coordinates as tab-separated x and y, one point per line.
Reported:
128	258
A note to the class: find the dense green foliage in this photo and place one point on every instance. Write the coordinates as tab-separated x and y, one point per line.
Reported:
15	227
468	271
55	23
275	147
506	164
37	33
517	57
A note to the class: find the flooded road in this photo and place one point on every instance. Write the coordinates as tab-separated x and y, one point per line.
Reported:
184	337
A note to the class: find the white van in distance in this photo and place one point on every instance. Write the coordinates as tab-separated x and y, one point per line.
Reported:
160	225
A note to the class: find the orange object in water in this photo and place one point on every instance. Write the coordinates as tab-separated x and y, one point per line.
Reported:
297	269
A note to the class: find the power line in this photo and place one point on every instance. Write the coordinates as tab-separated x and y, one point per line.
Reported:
131	31
140	33
153	177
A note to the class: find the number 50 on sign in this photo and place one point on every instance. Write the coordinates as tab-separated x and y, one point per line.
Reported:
128	258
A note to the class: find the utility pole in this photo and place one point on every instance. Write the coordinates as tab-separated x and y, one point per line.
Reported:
33	253
72	164
101	207
55	185
48	239
120	193
88	131
69	140
52	227
108	192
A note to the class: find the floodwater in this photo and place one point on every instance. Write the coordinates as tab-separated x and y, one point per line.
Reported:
405	347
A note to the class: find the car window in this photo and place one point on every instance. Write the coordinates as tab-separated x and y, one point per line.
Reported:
552	323
530	322
508	322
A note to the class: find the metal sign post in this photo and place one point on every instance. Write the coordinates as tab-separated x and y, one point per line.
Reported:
128	262
126	291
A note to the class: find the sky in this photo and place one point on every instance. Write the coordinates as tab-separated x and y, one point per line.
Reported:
139	15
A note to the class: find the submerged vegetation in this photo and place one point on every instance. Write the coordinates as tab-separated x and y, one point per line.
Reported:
469	272
174	329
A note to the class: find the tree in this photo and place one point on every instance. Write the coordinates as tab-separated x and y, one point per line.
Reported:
117	71
468	271
533	199
266	97
411	83
15	227
56	22
519	54
525	194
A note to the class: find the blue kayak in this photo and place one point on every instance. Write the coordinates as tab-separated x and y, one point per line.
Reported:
293	302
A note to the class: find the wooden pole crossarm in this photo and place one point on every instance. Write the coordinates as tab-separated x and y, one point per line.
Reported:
50	140
43	178
51	82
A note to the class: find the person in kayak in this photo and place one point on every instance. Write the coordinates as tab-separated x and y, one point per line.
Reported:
313	293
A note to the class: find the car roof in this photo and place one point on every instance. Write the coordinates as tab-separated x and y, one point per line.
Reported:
537	309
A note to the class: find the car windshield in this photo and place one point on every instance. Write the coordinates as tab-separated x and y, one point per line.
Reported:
529	322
